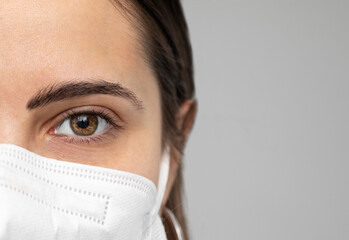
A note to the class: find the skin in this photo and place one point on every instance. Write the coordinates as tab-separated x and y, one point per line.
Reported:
55	41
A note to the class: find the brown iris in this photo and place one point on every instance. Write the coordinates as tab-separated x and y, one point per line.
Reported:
84	125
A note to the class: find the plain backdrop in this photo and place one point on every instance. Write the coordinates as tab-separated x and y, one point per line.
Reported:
269	155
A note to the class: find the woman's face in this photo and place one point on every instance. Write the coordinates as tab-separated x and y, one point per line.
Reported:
75	86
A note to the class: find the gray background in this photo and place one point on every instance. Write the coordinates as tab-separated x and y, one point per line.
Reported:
268	158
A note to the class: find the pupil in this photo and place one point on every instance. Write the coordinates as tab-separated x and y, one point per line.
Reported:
82	121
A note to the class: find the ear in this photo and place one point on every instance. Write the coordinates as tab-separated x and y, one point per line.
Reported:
186	117
185	121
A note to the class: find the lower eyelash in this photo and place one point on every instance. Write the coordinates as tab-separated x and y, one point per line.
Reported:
87	140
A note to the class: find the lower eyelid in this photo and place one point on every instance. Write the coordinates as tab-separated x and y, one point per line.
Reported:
105	137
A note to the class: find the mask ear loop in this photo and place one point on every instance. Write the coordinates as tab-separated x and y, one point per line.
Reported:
174	224
162	182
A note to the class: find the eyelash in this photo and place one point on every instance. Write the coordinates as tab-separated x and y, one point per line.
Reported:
97	138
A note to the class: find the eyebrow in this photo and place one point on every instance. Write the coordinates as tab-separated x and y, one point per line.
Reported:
78	88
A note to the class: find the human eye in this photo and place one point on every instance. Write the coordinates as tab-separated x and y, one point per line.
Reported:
91	124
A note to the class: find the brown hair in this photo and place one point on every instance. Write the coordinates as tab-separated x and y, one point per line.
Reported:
165	40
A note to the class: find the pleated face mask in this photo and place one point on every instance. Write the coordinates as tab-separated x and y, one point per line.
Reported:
43	198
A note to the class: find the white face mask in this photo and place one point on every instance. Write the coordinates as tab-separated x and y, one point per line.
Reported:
43	199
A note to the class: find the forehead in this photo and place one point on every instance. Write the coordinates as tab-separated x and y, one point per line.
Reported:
53	40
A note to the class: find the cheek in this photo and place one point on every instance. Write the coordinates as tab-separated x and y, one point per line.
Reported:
144	146
144	142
